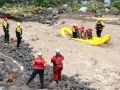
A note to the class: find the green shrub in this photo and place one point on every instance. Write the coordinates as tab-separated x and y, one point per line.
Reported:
116	4
45	3
2	2
93	5
7	5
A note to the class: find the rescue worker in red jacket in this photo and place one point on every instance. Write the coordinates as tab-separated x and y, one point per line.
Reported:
88	33
18	34
39	64
6	26
57	65
75	31
81	29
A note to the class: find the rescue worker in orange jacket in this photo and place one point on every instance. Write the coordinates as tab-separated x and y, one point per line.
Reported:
39	64
75	31
57	65
6	26
99	26
88	33
18	34
81	29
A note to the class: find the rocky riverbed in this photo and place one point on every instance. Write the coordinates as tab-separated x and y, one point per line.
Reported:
15	69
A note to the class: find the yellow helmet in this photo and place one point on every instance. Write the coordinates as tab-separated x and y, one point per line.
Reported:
99	19
18	24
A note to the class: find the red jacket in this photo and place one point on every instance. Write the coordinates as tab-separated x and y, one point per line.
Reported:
57	61
39	63
75	28
81	29
89	31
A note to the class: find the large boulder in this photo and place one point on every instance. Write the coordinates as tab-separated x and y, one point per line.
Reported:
114	11
107	2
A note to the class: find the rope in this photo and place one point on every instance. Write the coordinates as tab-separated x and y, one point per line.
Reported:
14	61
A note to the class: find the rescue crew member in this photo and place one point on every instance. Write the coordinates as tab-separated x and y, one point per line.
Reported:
99	26
88	33
57	65
39	64
18	34
81	29
75	31
6	26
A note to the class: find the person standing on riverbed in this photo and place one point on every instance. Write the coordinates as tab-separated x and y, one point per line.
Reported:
6	26
99	26
18	34
39	64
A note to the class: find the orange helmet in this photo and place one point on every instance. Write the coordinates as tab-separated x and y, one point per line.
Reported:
5	19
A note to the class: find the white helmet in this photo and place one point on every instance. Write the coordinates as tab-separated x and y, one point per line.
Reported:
39	54
75	24
57	51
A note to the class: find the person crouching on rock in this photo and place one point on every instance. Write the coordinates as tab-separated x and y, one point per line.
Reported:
88	33
75	31
39	64
57	65
6	26
18	34
99	26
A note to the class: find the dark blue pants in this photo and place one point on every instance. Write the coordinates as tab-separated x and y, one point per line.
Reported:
6	31
18	40
41	76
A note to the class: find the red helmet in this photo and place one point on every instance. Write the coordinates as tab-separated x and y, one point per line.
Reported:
5	18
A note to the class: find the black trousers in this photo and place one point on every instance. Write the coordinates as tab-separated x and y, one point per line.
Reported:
18	40
98	32
41	76
6	37
74	34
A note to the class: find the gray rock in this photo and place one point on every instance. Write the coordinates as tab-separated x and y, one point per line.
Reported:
109	22
56	16
55	11
19	89
3	72
1	9
65	6
18	83
80	86
49	9
77	74
69	10
52	85
4	7
69	3
107	2
27	58
3	88
107	10
84	3
49	17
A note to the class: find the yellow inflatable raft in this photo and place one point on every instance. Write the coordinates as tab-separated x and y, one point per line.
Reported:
94	41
